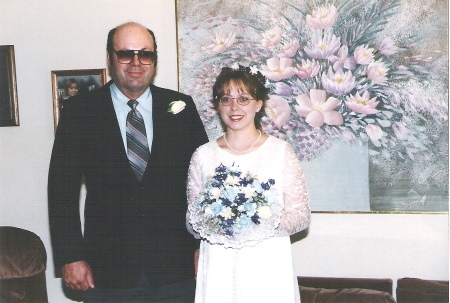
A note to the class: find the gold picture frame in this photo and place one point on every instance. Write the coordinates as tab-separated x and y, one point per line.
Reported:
85	79
9	109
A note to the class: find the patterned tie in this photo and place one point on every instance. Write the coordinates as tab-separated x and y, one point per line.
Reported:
138	151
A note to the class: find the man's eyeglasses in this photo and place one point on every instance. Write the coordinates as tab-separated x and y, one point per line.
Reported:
226	101
126	56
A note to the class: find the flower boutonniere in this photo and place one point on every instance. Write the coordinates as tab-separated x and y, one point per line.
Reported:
176	106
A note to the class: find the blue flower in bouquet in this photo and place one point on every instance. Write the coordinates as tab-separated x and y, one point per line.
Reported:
243	222
235	170
231	193
255	219
266	185
216	208
257	186
249	208
235	201
270	198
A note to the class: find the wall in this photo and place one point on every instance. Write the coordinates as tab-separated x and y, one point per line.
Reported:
62	35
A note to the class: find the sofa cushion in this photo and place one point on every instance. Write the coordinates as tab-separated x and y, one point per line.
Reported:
24	290
344	295
412	290
338	283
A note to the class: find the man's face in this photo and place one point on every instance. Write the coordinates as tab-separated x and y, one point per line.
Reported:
134	78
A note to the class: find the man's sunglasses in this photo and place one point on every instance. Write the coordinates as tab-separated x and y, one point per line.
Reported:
126	56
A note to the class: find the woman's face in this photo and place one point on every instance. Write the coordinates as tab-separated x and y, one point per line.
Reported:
73	89
237	116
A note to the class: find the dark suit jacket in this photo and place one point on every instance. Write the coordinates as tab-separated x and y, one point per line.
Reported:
129	225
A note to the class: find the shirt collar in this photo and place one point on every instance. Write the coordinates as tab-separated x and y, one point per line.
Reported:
120	100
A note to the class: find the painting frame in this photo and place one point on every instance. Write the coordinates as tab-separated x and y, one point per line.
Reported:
226	33
9	108
87	78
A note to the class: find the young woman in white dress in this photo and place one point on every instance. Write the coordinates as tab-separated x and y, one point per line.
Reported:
259	270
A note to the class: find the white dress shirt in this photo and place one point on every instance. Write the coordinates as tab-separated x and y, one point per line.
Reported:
122	109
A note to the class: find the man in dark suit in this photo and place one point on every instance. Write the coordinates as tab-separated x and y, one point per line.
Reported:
135	247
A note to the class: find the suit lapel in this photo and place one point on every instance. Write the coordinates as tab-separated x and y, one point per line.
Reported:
109	132
159	125
157	114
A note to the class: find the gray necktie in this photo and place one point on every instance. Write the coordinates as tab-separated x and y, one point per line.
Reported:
138	151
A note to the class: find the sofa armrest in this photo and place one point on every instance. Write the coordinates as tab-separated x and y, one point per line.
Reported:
22	253
412	290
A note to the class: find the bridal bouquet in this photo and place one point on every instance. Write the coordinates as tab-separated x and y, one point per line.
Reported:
235	210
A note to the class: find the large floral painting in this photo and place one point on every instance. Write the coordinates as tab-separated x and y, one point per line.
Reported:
359	88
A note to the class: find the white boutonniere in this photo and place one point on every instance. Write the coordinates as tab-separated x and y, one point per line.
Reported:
176	106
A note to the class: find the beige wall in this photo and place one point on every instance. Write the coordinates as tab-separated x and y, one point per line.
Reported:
59	35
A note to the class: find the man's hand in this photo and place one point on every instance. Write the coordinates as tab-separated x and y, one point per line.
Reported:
78	276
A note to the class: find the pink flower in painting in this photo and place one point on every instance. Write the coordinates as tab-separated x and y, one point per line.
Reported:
323	17
377	71
362	104
308	69
272	37
220	43
289	49
400	131
283	89
342	60
317	110
278	110
322	47
374	131
338	83
388	47
363	55
278	69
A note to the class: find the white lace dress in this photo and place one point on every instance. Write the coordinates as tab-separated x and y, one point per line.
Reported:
262	272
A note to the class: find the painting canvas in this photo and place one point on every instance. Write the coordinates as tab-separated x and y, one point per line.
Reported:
359	88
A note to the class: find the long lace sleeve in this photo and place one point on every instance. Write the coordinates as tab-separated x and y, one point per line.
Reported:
194	188
296	214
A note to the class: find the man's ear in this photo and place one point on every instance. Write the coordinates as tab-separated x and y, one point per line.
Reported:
108	58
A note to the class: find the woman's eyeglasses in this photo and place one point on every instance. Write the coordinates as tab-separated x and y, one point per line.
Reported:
126	56
226	101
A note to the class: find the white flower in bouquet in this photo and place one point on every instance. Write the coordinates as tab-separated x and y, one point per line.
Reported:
248	191
264	212
232	180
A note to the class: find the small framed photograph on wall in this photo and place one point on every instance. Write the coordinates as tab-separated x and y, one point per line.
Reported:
9	109
68	83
